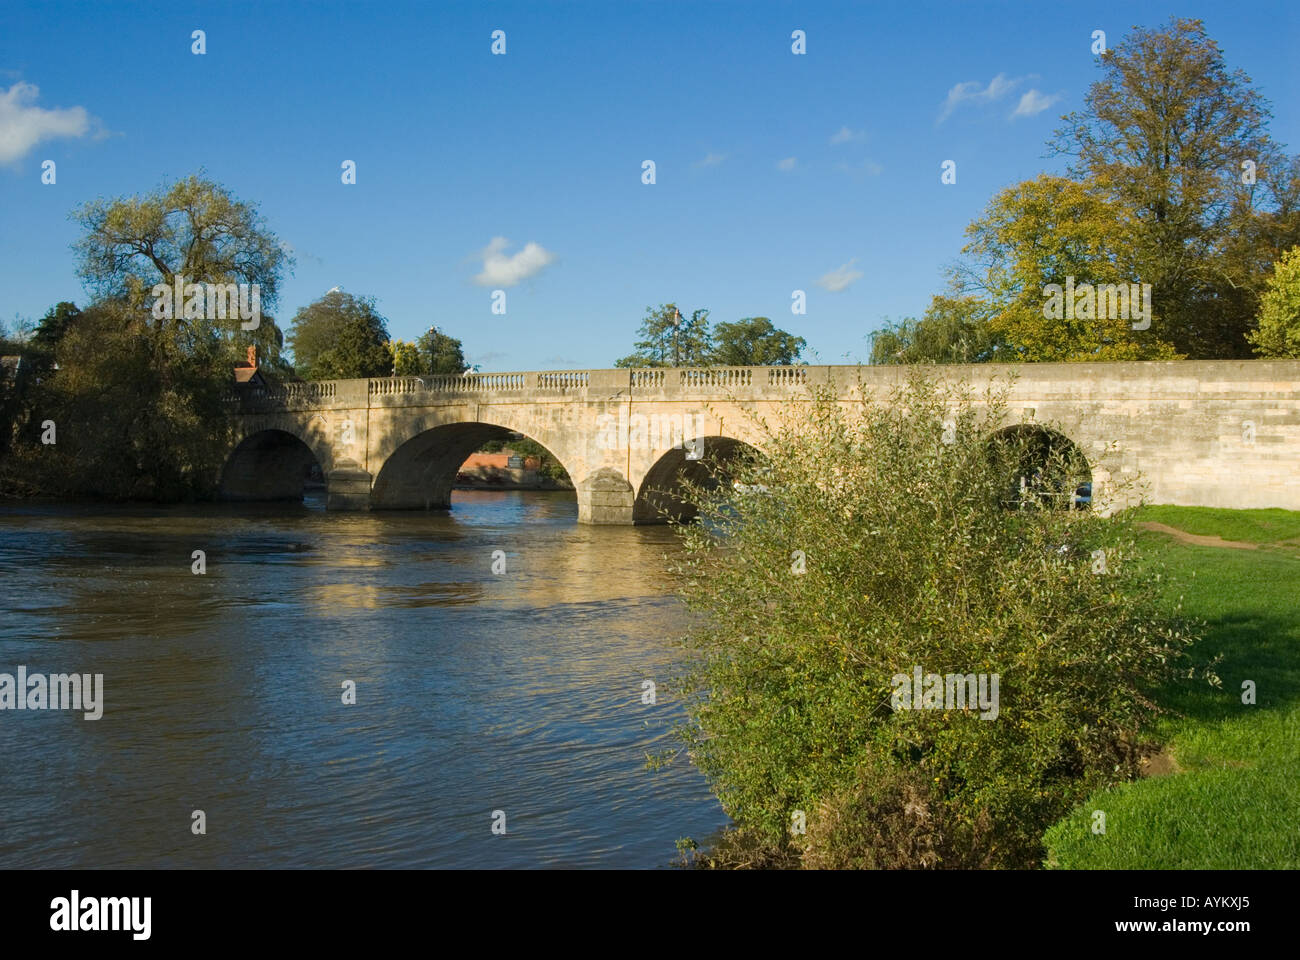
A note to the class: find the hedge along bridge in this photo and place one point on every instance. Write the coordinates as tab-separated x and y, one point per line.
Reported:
1200	433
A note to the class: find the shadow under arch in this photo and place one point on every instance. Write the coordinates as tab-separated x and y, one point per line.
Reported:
420	473
660	498
1044	466
269	464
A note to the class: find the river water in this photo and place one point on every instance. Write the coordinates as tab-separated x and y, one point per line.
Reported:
476	691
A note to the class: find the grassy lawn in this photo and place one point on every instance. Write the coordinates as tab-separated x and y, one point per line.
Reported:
1235	801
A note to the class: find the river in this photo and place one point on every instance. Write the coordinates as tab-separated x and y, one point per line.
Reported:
476	691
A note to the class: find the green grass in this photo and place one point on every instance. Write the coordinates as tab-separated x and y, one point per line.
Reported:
1249	526
1236	802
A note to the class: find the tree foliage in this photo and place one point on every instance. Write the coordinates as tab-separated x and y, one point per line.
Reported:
340	336
670	339
1279	310
138	416
195	229
754	342
1173	181
1165	137
137	398
1053	230
406	358
440	353
953	330
434	352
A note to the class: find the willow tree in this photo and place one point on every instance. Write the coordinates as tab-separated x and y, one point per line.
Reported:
194	229
137	397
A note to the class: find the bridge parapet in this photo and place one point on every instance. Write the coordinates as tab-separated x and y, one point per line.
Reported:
651	383
1082	381
716	383
290	396
539	385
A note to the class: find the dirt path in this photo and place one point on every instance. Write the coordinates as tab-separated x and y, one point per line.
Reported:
1195	538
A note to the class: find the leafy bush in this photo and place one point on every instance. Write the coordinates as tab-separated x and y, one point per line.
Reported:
911	559
1278	334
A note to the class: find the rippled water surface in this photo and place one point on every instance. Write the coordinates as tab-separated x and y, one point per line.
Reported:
476	692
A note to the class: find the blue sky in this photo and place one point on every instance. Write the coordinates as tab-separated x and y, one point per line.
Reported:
456	147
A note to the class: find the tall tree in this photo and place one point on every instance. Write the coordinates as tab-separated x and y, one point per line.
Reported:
669	339
340	336
754	342
1169	134
440	352
138	395
193	229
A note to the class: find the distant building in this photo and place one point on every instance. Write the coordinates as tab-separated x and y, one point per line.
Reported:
247	371
499	470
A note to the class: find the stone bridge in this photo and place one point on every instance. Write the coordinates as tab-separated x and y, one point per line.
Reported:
1200	433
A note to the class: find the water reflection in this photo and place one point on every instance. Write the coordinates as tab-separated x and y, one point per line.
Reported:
475	691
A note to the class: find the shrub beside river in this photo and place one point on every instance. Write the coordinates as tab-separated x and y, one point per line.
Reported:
878	542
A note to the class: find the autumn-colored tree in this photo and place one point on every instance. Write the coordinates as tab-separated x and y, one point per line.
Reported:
1178	142
406	358
1053	230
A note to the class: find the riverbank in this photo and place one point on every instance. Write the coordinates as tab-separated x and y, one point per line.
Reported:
1223	793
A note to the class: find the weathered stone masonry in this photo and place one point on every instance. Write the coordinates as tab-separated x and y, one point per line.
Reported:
1200	433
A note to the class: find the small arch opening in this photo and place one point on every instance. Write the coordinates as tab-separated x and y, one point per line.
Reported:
706	462
1043	468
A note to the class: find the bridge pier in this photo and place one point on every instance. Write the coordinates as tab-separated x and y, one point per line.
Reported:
347	487
605	497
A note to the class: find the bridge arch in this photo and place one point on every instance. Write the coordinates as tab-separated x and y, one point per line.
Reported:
660	496
420	470
272	461
1050	466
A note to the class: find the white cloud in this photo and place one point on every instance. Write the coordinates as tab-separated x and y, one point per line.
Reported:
23	124
971	91
1033	102
845	135
786	164
502	271
840	278
711	160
